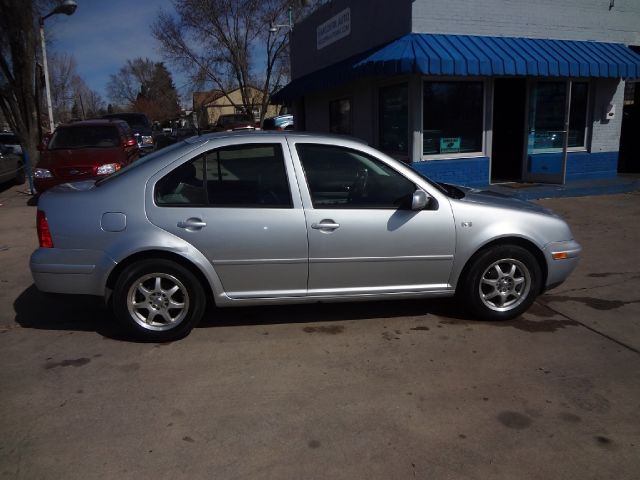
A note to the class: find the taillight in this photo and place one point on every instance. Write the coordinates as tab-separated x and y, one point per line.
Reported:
44	234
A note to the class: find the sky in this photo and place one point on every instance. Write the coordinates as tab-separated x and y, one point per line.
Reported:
103	34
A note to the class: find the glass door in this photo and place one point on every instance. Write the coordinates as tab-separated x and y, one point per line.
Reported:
547	138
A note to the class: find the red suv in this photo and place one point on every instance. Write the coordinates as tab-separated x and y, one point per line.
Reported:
84	150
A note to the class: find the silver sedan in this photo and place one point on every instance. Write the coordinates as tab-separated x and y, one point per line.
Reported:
255	218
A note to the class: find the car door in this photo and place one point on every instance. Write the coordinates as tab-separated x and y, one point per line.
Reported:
240	206
363	236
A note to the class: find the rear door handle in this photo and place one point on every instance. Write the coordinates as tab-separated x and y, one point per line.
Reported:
192	224
325	225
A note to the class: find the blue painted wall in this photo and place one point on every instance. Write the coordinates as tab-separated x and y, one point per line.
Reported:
470	172
580	165
474	172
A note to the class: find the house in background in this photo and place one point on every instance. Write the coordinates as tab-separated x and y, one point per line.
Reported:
210	105
474	92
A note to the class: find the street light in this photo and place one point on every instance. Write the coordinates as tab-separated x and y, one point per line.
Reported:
67	7
274	28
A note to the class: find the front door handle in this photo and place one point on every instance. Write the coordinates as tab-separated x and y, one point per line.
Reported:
192	224
325	225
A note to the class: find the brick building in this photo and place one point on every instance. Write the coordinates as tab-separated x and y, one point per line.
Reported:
475	92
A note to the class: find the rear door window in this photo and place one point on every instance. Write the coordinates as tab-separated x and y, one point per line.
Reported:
237	176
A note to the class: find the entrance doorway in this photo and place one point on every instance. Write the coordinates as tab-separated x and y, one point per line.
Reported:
509	103
629	156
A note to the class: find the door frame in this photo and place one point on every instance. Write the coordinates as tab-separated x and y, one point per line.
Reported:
553	178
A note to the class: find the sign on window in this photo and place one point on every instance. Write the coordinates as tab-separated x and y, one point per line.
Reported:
450	145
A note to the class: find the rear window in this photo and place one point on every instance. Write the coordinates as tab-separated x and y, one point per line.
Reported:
85	137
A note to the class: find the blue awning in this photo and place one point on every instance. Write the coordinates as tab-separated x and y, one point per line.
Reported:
466	55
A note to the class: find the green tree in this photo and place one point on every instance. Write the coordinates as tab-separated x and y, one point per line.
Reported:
145	86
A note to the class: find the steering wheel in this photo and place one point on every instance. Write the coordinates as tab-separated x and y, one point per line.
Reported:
359	186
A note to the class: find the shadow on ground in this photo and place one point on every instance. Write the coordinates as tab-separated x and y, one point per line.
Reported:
37	310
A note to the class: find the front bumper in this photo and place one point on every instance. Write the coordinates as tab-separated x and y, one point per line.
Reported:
562	259
81	272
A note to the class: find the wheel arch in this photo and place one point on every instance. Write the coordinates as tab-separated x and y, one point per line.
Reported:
160	254
505	241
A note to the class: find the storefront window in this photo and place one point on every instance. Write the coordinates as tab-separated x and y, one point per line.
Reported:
547	104
578	114
340	116
394	118
546	116
452	117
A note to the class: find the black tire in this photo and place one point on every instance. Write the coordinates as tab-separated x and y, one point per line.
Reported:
21	176
501	283
166	284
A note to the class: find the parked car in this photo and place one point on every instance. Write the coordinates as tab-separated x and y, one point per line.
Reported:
142	129
174	136
252	218
235	121
86	149
280	122
11	166
9	139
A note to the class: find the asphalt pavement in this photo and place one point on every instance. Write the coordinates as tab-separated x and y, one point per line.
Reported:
388	390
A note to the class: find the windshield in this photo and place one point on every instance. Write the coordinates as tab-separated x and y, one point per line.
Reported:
146	159
85	137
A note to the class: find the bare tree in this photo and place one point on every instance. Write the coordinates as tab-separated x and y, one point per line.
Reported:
145	86
18	86
123	87
228	44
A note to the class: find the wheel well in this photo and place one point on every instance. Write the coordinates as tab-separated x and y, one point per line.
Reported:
159	254
521	242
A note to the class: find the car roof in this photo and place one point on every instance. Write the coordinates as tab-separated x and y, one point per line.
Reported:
124	115
265	134
92	123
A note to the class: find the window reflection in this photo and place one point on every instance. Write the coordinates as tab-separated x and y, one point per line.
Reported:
452	117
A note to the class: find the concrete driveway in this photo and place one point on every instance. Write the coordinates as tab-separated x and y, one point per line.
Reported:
393	390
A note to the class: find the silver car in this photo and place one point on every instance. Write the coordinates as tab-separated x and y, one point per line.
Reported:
252	218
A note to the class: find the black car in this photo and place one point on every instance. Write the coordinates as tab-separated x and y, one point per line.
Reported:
141	127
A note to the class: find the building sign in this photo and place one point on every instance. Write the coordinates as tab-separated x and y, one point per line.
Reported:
337	27
450	145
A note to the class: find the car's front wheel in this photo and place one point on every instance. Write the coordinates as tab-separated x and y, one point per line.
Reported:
158	300
501	283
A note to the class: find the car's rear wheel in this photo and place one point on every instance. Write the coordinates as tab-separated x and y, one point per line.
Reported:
158	300
501	282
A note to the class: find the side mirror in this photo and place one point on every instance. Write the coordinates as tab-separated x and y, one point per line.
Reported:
420	200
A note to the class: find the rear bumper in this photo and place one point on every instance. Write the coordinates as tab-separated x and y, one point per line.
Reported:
82	272
559	270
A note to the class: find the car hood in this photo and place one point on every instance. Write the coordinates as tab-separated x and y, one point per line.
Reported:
79	157
495	199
